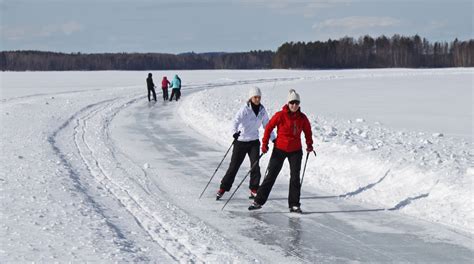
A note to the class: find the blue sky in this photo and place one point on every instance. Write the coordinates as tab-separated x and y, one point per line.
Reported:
203	26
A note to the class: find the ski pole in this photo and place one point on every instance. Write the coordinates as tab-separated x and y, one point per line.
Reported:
233	142
304	169
253	166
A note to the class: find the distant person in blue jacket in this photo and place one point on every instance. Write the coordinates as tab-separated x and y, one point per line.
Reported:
175	88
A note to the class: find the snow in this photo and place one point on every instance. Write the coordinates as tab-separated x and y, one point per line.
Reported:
90	171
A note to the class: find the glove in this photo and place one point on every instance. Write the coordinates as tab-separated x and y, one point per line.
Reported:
265	148
309	148
236	135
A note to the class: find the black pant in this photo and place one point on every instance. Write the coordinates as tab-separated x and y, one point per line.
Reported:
154	94
176	92
165	93
252	148
274	168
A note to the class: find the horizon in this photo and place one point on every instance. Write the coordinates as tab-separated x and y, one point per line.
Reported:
228	52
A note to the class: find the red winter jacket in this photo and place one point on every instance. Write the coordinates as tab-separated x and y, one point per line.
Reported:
289	127
164	83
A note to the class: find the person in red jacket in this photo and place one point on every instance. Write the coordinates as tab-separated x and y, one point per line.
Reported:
164	86
290	122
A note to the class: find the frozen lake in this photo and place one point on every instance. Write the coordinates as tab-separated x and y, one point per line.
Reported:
84	155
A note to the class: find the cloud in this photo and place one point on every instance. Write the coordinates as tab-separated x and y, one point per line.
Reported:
289	3
298	7
28	32
71	27
356	23
436	25
66	28
16	33
357	26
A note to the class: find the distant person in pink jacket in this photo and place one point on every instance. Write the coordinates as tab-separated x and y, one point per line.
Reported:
164	86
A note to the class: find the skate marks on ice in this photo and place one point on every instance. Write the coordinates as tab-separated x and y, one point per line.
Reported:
183	236
329	239
187	240
127	183
81	188
179	168
81	126
333	230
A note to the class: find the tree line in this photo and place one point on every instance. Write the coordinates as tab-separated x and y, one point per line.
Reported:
54	61
381	52
365	52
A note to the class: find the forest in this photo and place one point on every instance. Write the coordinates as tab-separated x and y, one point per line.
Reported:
345	53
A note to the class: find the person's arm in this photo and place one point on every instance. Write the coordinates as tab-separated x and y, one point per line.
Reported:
269	130
237	120
308	134
265	120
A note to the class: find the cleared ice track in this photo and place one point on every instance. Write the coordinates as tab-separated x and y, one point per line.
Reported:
333	230
182	237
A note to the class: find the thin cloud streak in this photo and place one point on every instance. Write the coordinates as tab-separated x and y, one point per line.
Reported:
27	32
357	22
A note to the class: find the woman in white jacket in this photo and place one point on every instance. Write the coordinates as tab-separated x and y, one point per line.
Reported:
245	128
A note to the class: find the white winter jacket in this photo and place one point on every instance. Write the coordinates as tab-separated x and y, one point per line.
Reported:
248	123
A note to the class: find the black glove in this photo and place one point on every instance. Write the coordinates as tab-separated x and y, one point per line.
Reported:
236	135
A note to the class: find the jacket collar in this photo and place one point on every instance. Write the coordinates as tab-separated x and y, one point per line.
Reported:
250	106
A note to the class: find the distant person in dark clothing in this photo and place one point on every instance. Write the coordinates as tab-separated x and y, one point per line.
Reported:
164	86
151	87
176	88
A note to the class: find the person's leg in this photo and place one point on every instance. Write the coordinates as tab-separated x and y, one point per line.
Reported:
172	94
254	153
154	94
238	156
149	94
274	168
178	94
294	158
